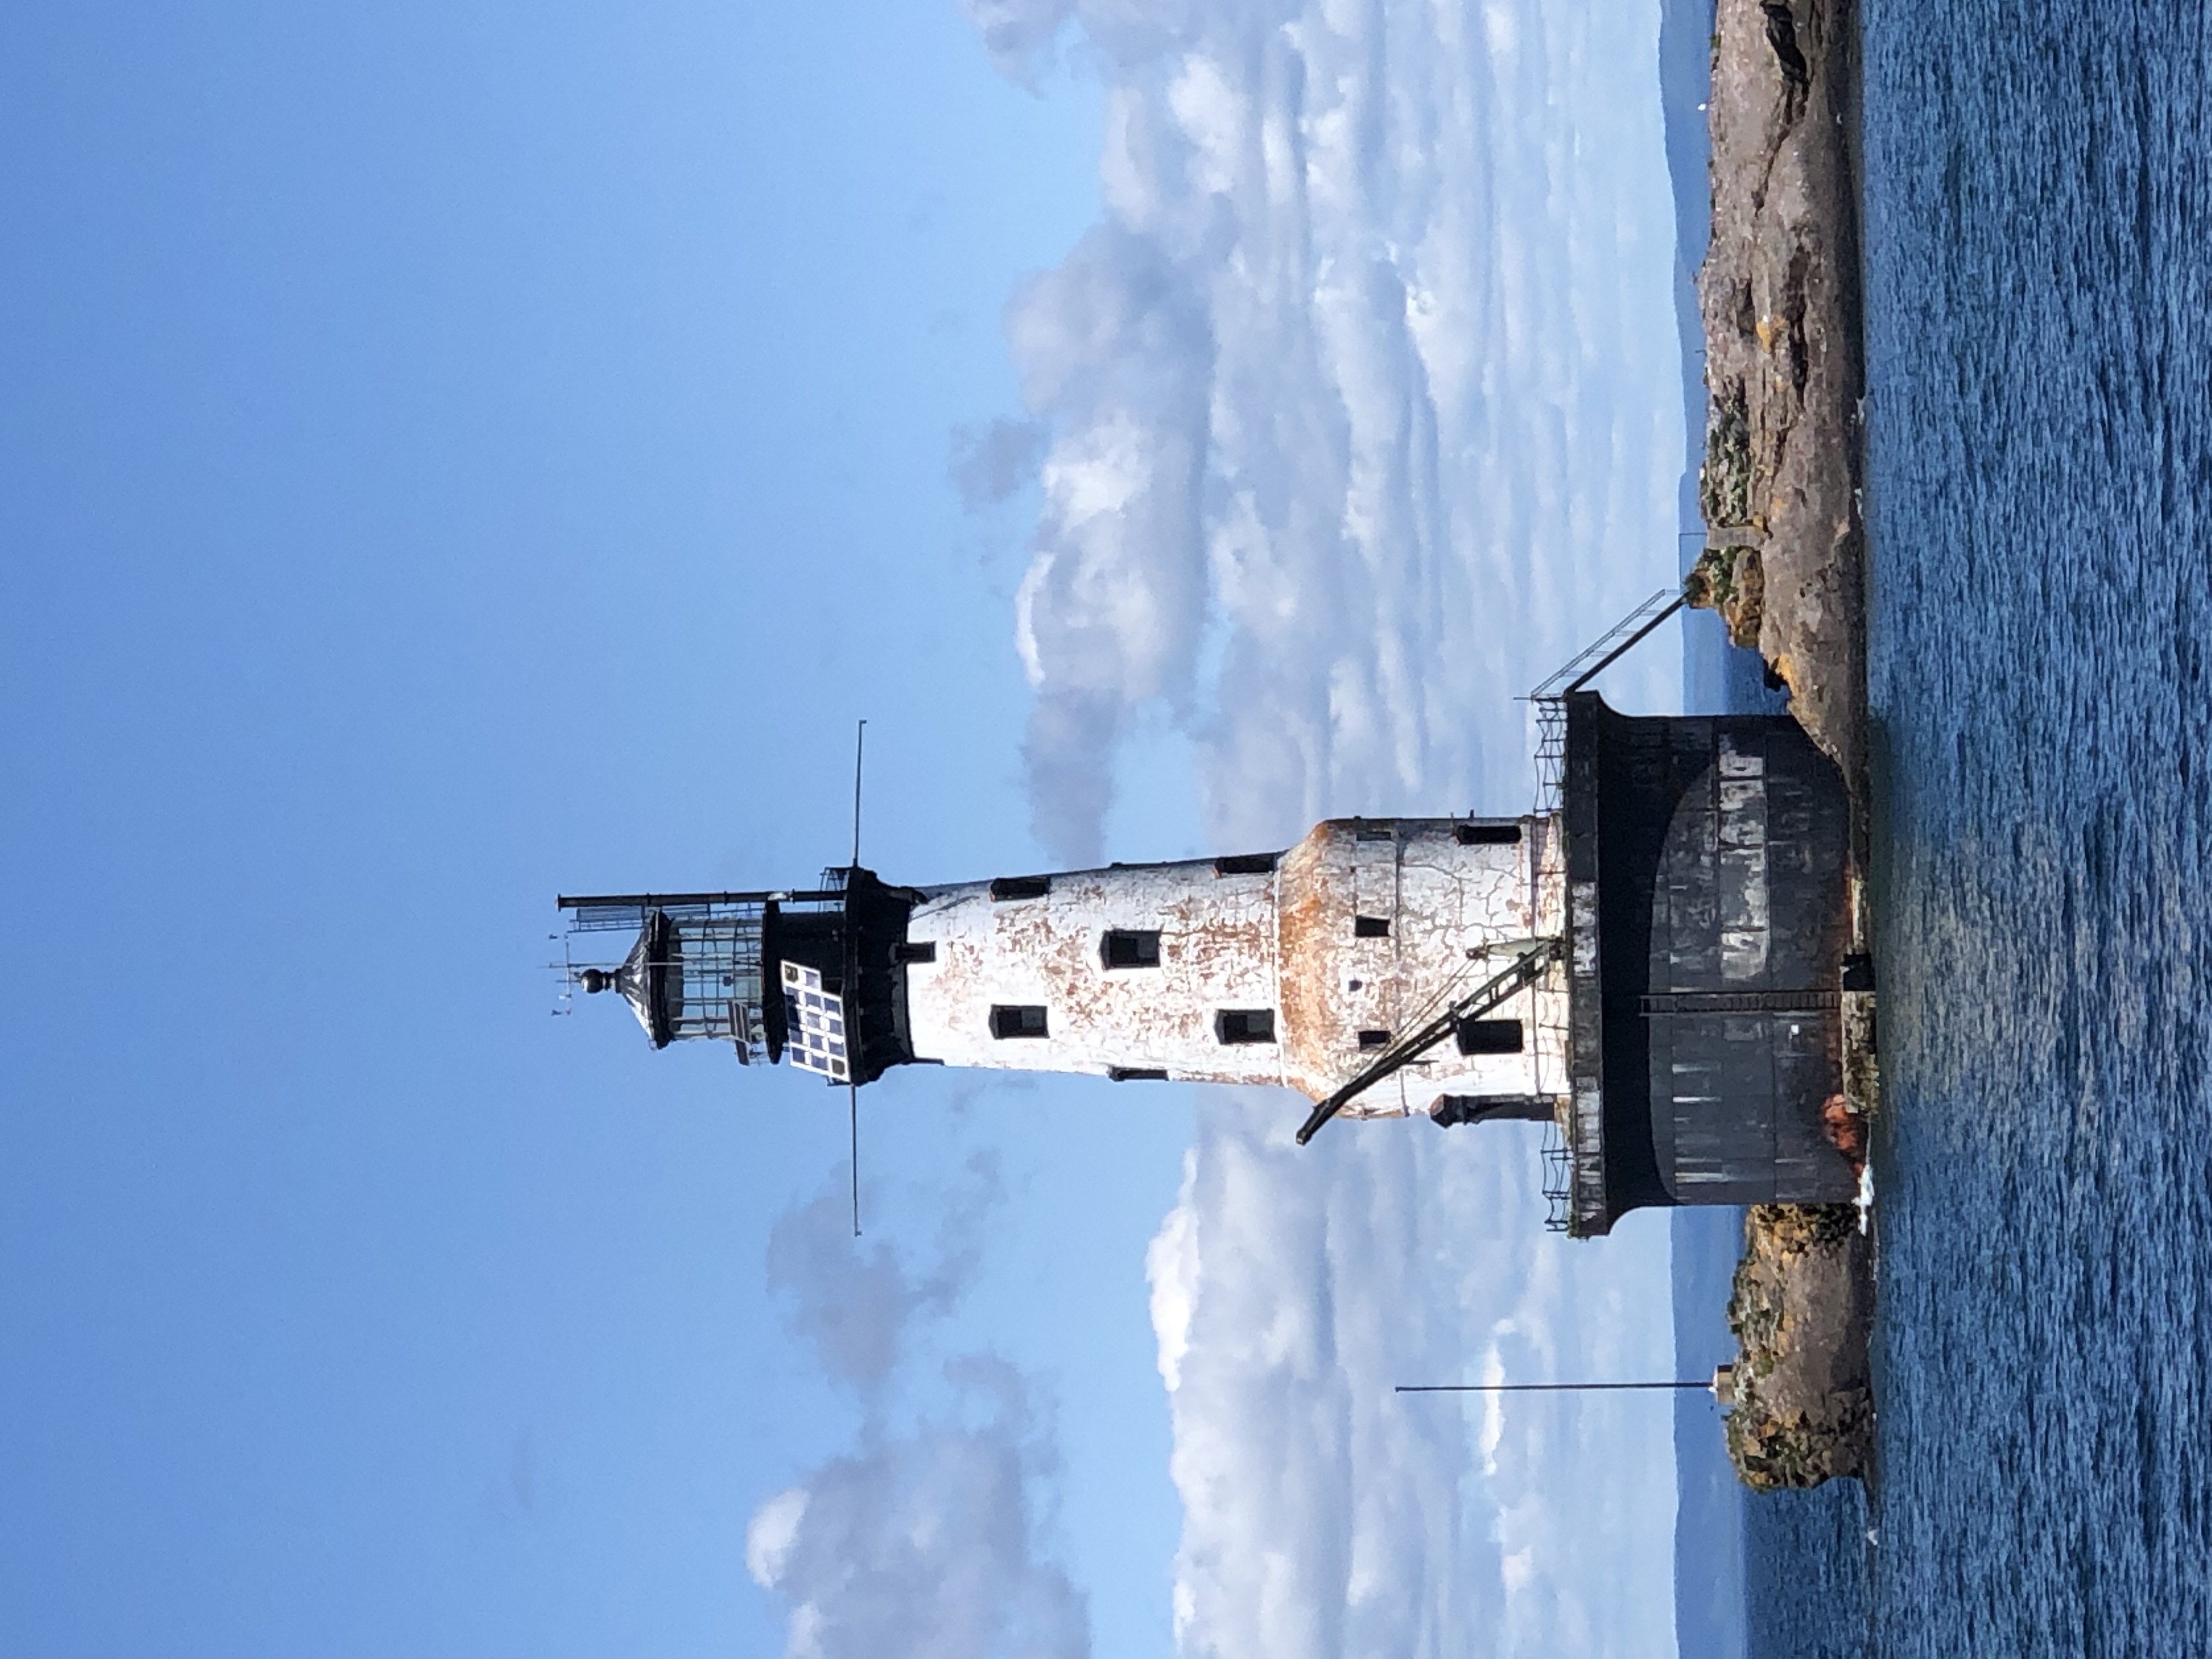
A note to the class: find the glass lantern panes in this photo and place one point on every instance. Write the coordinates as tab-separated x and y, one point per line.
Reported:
814	1020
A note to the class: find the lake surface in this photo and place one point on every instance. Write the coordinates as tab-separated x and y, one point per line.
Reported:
2039	298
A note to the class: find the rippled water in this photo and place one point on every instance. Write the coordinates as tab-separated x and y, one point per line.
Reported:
2039	297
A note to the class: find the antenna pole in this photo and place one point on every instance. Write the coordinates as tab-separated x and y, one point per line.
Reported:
1535	1387
853	1116
852	979
859	749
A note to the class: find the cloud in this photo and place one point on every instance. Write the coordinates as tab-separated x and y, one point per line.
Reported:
774	1531
856	1302
991	463
930	1540
1363	397
1018	34
1114	354
927	1545
1364	413
1324	1513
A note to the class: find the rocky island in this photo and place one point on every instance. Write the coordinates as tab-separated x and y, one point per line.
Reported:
1784	566
1802	1309
1784	370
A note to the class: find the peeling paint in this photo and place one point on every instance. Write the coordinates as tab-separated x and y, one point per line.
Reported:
1287	941
1745	909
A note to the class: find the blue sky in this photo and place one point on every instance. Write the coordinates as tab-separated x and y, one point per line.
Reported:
453	454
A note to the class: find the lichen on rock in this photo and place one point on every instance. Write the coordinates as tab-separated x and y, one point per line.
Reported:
1732	581
1724	477
1784	367
1802	1310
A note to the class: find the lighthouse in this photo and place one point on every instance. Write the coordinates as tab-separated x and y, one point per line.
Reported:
1652	963
1307	968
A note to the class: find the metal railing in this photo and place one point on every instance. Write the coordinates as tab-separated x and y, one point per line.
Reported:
1550	702
1558	1178
1550	698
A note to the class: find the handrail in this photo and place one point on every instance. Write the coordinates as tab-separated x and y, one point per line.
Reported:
1629	631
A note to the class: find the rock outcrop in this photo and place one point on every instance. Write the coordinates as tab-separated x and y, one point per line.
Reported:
1784	566
1779	291
1802	1311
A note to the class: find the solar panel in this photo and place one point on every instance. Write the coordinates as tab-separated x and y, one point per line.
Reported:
815	1019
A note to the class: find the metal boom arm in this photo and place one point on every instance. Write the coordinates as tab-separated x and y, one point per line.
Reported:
1516	976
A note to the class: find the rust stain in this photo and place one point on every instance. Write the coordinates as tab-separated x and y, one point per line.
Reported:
1313	905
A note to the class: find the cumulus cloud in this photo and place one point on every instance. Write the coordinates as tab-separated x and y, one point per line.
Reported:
1114	354
1325	1514
1362	398
930	1540
927	1545
1364	414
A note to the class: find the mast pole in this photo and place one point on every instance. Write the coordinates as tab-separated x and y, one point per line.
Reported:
852	983
1535	1387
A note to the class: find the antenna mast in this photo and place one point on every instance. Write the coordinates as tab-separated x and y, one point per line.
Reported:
1536	1388
1722	1386
852	978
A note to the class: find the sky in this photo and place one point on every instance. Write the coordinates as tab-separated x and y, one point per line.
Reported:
452	454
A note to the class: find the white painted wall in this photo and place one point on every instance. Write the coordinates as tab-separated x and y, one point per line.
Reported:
1284	941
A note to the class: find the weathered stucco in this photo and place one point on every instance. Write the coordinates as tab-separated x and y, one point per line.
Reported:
1286	940
1450	908
1217	950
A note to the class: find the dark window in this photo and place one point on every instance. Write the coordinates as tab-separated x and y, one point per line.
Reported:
922	950
1487	835
1487	1108
1245	864
1127	948
1245	1025
1021	887
1024	1020
1376	832
1374	1039
1371	926
1490	1036
1136	1074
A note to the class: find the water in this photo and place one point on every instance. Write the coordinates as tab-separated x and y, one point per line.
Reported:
2038	302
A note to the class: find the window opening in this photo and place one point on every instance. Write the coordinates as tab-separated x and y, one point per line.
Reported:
1124	947
1020	887
1136	1074
1371	926
1245	1025
1245	864
920	950
1487	835
1490	1036
1019	1019
1374	1039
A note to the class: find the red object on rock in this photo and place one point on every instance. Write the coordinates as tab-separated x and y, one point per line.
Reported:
1847	1132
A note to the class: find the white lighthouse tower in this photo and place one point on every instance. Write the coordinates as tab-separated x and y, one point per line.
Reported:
1309	967
1653	964
1381	966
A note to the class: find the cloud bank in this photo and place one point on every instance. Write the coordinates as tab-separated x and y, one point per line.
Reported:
925	1544
1364	400
1324	1513
1362	412
928	1540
